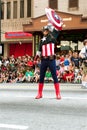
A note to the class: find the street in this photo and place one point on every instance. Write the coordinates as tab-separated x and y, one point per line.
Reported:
19	110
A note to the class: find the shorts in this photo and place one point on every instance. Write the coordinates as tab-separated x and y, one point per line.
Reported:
84	69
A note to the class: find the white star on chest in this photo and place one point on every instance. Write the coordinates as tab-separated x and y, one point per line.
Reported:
44	38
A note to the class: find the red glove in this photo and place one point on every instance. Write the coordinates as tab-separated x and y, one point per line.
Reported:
36	57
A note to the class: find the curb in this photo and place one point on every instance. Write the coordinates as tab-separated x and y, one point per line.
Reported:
34	86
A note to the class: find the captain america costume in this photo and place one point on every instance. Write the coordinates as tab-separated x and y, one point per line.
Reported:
46	47
46	51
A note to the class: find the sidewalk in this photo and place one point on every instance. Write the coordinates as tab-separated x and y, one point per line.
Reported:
34	86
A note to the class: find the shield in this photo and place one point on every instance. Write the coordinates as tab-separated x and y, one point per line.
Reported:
53	18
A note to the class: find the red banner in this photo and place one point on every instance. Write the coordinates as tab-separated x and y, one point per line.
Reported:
10	35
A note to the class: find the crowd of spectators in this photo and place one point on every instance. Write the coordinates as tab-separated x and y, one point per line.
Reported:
25	69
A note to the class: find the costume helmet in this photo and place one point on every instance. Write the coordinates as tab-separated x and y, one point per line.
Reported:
45	28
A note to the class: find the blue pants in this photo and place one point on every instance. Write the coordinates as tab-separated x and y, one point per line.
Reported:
52	66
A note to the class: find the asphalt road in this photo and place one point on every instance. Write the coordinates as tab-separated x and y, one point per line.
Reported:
19	110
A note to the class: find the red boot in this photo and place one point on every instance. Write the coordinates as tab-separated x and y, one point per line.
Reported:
57	91
40	89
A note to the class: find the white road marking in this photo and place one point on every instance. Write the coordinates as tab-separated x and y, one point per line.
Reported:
77	98
73	98
16	127
70	97
33	96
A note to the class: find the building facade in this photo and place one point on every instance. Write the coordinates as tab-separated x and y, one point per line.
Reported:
68	6
73	6
17	13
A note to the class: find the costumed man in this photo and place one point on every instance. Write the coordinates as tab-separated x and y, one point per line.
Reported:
83	55
46	51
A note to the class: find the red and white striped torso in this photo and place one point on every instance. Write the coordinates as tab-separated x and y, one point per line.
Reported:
48	49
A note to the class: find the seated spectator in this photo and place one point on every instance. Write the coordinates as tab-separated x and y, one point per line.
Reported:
57	62
11	78
76	70
37	74
20	78
48	76
38	62
66	62
70	76
16	69
62	58
61	70
3	78
30	63
70	53
64	75
29	75
3	68
78	78
71	67
59	75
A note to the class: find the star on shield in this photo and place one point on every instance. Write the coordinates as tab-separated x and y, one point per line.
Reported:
56	16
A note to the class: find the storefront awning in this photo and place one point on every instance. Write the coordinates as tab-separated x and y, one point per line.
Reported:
11	35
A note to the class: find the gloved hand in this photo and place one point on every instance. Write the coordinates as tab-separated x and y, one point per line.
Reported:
36	57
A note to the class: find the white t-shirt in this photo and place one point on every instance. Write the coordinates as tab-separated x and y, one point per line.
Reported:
83	51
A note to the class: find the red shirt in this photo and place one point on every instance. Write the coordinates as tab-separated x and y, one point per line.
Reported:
30	63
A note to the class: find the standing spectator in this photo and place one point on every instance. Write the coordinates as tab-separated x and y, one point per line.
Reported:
76	60
83	55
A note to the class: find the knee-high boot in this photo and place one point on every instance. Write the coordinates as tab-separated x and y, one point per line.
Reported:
40	89
57	90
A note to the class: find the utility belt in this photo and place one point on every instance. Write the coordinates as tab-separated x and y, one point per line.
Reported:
48	57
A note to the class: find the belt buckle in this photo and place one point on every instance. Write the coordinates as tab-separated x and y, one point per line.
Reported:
51	57
45	57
